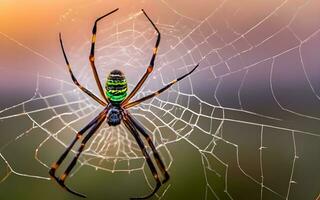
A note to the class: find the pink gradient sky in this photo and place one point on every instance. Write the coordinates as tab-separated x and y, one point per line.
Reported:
242	34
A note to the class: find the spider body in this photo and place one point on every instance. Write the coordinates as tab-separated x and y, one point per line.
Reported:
116	103
116	91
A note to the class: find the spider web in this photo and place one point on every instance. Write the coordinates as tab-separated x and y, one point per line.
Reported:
250	111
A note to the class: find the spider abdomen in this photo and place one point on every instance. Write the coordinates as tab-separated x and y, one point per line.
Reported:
116	86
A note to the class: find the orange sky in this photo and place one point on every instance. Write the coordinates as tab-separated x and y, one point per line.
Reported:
36	24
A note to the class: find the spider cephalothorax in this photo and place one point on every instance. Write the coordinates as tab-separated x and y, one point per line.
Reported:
114	116
116	104
116	86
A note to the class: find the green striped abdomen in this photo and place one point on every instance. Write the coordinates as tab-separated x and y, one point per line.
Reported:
116	86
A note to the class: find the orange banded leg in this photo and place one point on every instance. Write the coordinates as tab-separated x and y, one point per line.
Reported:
157	157
92	58
56	165
88	92
134	103
154	172
92	124
150	67
63	177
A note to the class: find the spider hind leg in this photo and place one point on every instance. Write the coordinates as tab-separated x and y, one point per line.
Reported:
94	125
154	172
156	155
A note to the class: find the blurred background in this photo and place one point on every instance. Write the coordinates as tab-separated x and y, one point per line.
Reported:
244	125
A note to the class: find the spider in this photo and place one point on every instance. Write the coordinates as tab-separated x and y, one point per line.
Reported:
116	103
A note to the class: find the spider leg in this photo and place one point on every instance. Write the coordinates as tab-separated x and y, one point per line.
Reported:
135	134
134	103
157	157
74	161
75	80
56	165
150	67
95	124
92	58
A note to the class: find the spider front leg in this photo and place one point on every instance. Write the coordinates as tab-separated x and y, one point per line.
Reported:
154	172
74	78
150	67
95	124
92	58
157	157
